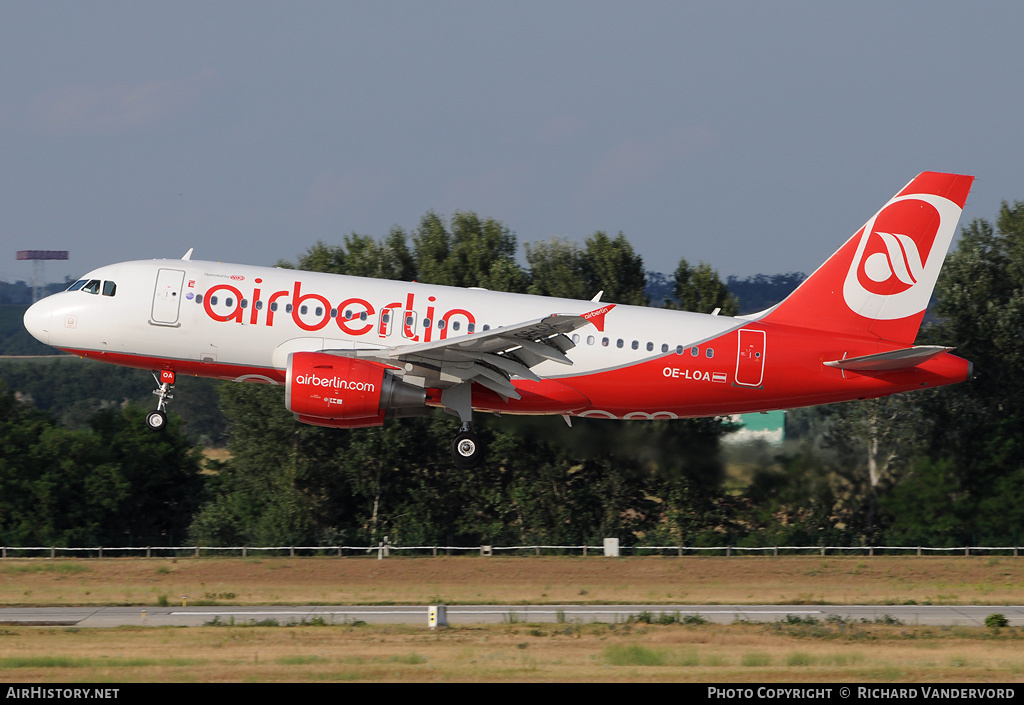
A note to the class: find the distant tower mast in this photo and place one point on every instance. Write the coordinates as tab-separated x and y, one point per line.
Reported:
38	257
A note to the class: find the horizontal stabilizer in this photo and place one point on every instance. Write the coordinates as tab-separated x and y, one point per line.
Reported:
891	360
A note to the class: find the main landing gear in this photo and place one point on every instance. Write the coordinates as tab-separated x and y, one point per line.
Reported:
157	420
467	450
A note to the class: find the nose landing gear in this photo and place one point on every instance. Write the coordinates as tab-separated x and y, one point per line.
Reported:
157	420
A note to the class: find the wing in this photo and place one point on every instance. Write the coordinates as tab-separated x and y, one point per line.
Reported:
490	358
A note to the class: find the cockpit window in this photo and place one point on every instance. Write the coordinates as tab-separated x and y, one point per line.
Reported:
93	287
109	288
77	285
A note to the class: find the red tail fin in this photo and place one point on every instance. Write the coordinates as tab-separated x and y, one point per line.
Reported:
878	284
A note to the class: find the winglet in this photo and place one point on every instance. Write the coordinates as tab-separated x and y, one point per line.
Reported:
597	316
188	255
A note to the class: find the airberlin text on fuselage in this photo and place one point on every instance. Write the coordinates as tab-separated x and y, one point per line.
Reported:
319	312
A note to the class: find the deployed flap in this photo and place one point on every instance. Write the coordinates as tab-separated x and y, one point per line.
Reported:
490	358
891	360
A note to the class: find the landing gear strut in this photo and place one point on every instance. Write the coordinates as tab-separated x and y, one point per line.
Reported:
467	450
157	420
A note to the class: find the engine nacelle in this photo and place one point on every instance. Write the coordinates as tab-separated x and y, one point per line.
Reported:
343	392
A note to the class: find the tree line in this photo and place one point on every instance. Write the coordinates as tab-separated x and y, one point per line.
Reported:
936	467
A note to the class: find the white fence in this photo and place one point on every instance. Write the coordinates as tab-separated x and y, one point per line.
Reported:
385	550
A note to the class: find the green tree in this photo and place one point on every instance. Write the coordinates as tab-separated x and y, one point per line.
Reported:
557	268
700	289
981	308
475	252
612	266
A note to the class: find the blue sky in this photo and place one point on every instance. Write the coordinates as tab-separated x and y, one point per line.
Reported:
753	136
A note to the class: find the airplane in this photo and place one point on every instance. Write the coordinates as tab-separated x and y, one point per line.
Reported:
352	352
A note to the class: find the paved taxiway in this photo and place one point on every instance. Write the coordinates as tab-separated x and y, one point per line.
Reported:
935	615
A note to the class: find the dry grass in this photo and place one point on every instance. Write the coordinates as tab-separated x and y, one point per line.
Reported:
521	652
802	652
515	580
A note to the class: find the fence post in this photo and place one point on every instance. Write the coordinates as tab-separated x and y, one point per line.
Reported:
967	550
775	551
197	552
53	552
291	551
919	550
728	551
149	553
823	550
871	550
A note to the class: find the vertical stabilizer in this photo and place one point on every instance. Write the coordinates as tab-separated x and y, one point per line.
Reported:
879	283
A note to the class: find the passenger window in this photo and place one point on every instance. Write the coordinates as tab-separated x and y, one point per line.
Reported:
619	343
245	303
590	340
695	351
575	337
213	300
93	287
199	298
679	350
650	347
471	328
664	347
109	288
303	309
229	301
455	325
259	305
319	311
440	324
710	352
487	326
348	315
426	322
604	342
334	313
273	306
287	308
635	345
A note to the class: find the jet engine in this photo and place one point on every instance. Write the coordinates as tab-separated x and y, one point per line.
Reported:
343	392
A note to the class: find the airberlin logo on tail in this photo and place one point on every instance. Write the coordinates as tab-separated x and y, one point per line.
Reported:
898	265
899	256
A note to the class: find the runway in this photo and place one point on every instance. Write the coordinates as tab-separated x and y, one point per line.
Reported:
186	616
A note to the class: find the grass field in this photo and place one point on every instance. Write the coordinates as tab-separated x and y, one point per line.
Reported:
540	580
798	651
519	652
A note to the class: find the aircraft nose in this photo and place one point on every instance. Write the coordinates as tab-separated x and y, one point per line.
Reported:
37	320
